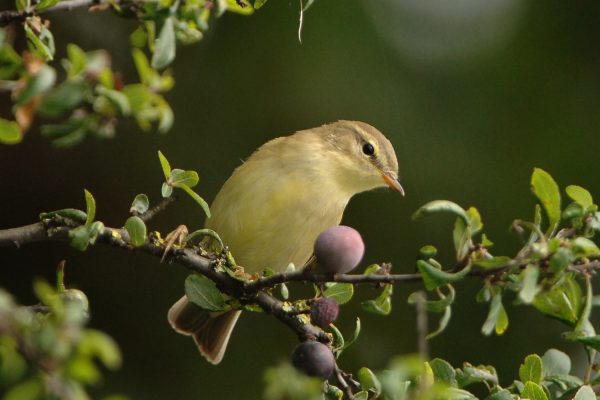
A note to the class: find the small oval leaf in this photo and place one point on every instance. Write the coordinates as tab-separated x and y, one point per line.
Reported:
164	49
140	204
204	293
137	230
580	195
546	190
531	369
340	292
437	206
10	133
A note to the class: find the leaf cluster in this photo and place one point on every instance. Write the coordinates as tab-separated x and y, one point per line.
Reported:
93	97
46	351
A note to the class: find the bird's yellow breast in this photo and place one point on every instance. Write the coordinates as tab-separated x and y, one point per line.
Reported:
272	208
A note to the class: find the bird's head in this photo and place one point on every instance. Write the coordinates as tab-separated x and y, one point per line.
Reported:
359	156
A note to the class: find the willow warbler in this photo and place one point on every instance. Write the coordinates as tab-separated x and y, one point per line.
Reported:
275	204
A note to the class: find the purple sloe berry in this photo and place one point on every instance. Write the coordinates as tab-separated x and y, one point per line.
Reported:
339	249
324	311
314	359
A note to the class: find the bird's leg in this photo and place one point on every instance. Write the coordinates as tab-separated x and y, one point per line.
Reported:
177	236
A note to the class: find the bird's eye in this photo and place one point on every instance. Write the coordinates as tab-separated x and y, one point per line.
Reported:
368	149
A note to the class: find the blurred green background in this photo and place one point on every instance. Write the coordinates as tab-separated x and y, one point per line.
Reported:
473	94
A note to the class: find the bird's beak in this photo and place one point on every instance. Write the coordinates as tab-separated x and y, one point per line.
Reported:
392	182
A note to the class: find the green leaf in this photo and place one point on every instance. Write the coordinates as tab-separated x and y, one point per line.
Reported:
443	371
382	305
180	177
36	85
442	324
166	190
565	382
140	204
69	133
442	206
202	233
283	289
556	363
117	98
362	395
580	195
485	241
136	228
22	5
427	252
461	236
31	389
138	37
98	344
585	393
64	98
497	319
13	366
286	382
196	198
368	380
590	341
561	259
166	167
561	301
259	3
499	394
574	212
166	117
12	63
332	392
475	221
434	278
529	288
10	133
470	374
340	292
436	306
584	247
371	269
533	391
90	205
452	393
82	236
546	190
144	70
355	335
71	213
140	99
43	44
164	49
484	295
338	341
494	262
44	4
83	369
233	6
583	325
531	369
77	60
204	293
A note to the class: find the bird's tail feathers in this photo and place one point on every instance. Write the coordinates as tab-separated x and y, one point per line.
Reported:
210	332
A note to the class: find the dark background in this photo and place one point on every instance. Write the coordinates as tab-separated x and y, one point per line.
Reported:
472	94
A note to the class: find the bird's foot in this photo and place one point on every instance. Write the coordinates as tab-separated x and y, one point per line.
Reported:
175	237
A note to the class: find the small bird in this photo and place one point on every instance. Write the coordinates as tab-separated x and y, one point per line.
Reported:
272	208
